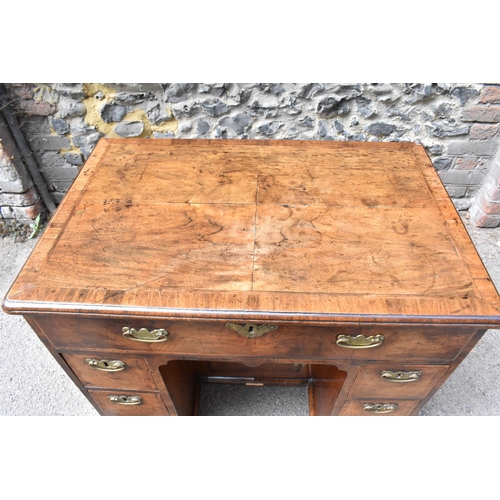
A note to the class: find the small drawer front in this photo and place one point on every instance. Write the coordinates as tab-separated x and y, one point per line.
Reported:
105	370
378	408
216	339
399	381
150	404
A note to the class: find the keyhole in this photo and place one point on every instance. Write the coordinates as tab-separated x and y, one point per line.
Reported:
250	329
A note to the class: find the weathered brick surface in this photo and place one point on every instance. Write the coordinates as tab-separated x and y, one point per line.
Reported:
19	200
483	132
467	163
22	213
482	219
480	148
22	90
482	113
50	143
490	94
461	177
41	108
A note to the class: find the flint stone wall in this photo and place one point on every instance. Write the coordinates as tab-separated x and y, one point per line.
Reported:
458	124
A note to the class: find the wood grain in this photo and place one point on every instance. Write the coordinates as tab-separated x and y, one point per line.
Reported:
286	230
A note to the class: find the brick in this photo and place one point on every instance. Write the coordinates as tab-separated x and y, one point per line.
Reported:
461	177
30	197
488	206
479	148
482	113
41	108
22	90
466	163
23	213
456	191
490	94
483	132
481	219
50	143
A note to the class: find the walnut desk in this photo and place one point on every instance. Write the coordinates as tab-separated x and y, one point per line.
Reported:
338	265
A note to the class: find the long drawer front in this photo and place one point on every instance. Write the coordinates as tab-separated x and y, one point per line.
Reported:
129	403
222	339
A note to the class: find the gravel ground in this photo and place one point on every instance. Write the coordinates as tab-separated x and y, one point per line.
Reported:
32	383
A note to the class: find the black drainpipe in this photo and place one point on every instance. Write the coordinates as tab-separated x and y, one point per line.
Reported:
25	150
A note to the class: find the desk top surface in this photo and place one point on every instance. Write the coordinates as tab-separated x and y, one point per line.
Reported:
285	230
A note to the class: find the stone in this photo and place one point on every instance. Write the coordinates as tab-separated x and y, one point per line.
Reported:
443	110
86	141
365	107
307	121
238	123
308	91
41	108
185	127
435	149
137	87
463	94
202	126
184	109
69	107
215	89
214	107
165	135
442	130
381	129
99	95
442	162
158	114
179	92
113	113
292	132
130	98
129	129
74	158
73	90
331	106
270	128
60	126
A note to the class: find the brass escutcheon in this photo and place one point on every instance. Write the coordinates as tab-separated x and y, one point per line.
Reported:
125	400
251	330
400	376
144	335
105	365
380	407
360	341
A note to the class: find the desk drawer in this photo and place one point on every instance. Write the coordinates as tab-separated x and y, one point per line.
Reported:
149	403
400	381
102	370
357	408
213	339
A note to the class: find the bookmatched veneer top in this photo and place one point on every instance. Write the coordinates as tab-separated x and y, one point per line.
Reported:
280	230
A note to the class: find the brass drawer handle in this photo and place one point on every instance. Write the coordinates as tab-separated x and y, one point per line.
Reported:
144	335
360	341
105	365
380	407
251	330
400	376
126	400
